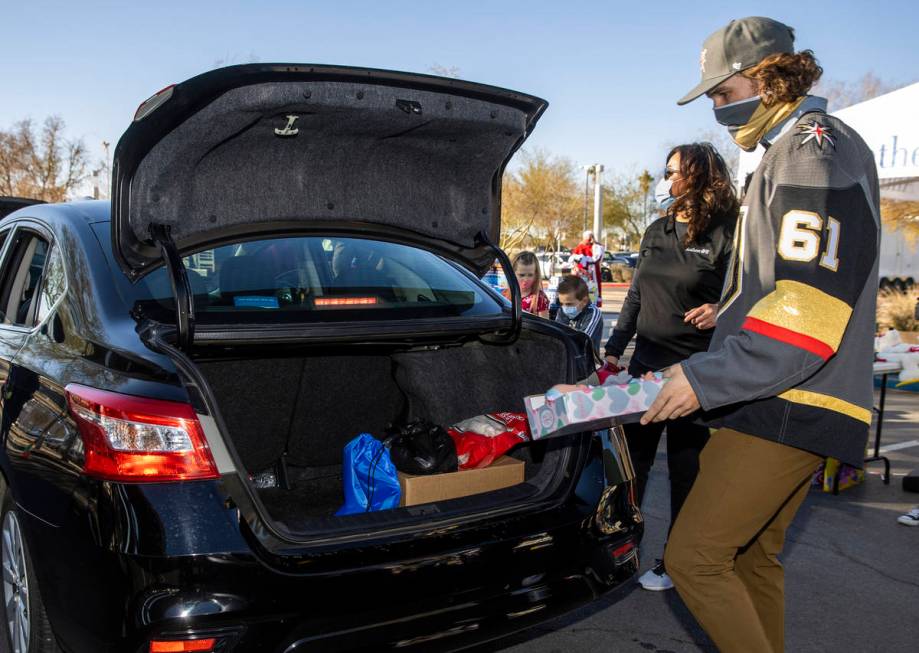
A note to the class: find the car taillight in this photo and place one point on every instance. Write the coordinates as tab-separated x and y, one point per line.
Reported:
128	438
182	645
153	102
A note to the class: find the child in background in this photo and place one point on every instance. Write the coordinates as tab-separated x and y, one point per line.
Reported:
576	309
529	278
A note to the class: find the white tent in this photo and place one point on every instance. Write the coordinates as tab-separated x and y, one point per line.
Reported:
890	126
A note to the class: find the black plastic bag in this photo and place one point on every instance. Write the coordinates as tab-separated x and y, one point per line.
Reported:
421	448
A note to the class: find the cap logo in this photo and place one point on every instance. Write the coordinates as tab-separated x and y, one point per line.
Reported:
736	65
702	59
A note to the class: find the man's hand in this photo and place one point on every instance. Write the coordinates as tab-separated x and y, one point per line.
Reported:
702	317
676	398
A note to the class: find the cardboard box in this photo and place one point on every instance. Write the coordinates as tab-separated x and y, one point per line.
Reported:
590	408
504	472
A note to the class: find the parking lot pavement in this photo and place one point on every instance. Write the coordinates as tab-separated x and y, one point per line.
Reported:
852	572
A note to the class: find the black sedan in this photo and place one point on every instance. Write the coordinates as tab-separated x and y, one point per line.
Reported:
292	257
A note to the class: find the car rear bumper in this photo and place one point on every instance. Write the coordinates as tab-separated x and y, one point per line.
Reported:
446	592
171	561
362	616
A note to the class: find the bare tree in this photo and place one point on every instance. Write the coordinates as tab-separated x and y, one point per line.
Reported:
625	204
236	58
900	215
541	201
444	71
841	94
102	174
41	165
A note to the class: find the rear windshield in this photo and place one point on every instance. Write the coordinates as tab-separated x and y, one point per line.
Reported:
315	278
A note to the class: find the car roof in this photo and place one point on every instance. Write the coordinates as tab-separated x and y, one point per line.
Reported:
88	211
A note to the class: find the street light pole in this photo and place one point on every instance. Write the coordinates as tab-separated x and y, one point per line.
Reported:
598	200
587	171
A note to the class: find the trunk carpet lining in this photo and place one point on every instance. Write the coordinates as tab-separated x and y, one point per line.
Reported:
312	406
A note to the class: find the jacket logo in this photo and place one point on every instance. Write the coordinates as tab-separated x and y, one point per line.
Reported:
817	133
289	129
698	250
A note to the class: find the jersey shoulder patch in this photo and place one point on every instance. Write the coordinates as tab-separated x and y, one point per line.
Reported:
817	132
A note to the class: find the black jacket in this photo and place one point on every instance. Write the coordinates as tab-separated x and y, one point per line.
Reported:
671	279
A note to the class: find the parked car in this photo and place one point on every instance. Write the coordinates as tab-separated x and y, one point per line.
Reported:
289	259
628	259
553	263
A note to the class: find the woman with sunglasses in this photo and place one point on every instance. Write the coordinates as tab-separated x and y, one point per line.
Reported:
672	306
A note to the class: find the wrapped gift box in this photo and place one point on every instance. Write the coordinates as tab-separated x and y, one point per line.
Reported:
591	408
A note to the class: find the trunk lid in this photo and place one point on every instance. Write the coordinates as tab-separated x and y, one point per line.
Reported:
9	204
259	149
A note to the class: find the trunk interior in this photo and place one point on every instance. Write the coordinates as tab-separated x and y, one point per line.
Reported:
305	407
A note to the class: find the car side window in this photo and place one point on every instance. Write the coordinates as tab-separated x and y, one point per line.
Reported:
22	272
53	284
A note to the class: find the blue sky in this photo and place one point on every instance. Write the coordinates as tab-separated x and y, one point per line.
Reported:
611	71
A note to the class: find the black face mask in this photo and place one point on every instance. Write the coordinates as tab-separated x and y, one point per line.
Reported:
737	114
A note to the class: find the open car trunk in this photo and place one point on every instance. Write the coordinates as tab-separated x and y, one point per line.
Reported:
304	408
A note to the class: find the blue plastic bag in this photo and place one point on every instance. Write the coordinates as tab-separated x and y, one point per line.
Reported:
370	478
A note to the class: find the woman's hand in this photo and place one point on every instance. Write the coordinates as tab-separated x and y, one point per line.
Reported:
702	317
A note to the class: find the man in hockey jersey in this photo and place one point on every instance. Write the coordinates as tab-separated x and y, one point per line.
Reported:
787	378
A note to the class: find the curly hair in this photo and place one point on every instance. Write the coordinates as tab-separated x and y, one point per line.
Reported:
785	77
704	191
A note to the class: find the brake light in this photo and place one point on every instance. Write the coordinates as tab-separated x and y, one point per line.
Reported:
127	438
183	645
153	102
345	301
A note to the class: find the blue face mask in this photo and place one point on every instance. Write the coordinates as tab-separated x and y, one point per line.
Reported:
662	194
571	311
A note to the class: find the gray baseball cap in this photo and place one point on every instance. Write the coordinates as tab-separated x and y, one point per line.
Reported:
739	45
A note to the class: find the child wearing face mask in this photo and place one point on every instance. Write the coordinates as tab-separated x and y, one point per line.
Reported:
577	311
532	298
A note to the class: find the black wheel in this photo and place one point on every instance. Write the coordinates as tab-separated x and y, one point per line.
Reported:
24	621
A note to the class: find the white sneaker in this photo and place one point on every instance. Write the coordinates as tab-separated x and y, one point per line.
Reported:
911	518
656	578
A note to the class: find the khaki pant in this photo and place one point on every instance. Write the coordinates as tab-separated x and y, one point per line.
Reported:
722	552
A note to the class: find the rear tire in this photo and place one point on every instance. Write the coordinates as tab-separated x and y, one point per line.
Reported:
24	621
